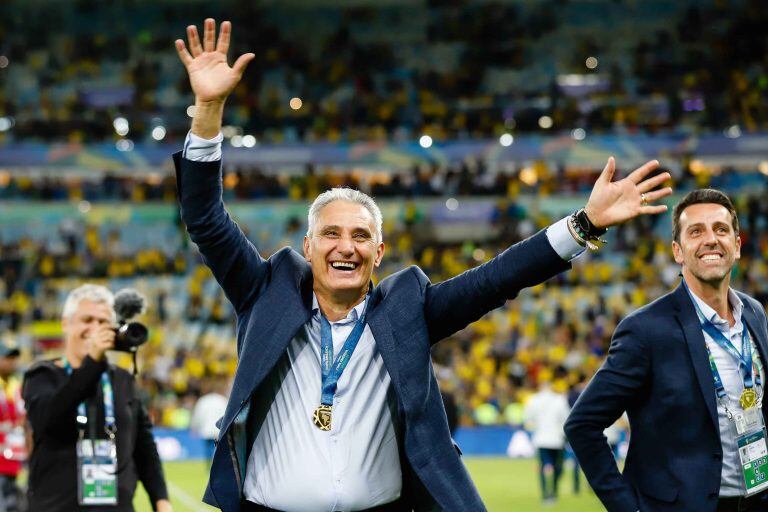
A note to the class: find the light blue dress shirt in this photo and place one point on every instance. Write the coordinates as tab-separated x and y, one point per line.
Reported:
728	367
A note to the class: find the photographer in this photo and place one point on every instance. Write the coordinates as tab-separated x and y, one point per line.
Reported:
92	438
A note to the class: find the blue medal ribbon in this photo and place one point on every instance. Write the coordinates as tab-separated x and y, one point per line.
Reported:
744	359
331	372
110	423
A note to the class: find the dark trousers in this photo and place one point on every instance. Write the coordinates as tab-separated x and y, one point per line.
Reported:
757	503
576	469
550	469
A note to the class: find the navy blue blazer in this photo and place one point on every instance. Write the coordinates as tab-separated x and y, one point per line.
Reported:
273	299
658	371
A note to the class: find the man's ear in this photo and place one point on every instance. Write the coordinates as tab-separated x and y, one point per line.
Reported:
738	246
677	251
379	254
307	249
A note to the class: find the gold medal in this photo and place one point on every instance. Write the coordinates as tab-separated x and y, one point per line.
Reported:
322	417
748	398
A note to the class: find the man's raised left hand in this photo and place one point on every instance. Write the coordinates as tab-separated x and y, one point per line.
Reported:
614	202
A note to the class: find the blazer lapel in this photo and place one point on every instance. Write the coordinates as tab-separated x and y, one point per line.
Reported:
384	336
694	337
259	355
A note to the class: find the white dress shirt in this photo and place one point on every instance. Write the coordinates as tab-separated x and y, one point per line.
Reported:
293	465
728	367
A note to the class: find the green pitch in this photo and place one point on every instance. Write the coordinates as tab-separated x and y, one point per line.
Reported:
505	485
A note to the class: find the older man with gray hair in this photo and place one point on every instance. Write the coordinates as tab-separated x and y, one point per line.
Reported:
92	438
335	405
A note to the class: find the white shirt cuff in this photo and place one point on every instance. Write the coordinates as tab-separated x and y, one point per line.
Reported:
562	240
199	149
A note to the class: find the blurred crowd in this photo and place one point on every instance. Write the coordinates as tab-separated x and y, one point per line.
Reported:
471	177
557	332
453	70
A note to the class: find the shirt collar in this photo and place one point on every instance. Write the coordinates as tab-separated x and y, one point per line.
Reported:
711	315
355	313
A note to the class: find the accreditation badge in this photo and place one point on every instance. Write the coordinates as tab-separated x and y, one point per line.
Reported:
753	451
97	472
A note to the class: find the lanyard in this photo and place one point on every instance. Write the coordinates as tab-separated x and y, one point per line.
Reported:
331	373
744	359
110	425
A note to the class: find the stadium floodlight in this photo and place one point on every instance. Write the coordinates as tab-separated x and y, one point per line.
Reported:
425	141
528	176
578	133
733	131
591	62
6	123
83	206
4	61
121	126
230	131
545	122
296	103
452	203
506	140
236	141
124	145
158	132
249	141
191	111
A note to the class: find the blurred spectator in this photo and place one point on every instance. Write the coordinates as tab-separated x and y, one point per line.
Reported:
208	410
12	439
545	415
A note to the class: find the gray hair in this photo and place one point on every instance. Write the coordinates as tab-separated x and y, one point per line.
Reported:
344	194
92	293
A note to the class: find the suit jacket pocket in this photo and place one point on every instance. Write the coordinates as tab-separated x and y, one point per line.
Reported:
658	487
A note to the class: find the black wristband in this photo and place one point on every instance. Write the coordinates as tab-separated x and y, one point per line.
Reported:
586	229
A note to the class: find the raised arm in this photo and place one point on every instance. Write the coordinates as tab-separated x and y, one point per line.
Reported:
234	261
453	304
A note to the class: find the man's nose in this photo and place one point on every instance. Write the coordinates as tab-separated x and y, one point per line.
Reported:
346	246
710	238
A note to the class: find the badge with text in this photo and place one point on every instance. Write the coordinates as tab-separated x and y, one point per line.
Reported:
753	453
97	472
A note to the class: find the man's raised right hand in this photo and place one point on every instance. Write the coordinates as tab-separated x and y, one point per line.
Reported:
210	75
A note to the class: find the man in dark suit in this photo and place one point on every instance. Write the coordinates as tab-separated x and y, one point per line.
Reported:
366	430
688	370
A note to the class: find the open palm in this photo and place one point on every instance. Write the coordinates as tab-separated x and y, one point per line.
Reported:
613	202
210	75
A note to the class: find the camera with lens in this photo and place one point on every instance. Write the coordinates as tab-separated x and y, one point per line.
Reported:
129	336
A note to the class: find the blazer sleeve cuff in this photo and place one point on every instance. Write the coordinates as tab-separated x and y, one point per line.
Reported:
196	178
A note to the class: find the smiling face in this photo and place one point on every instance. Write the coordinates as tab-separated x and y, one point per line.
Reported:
708	246
343	250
